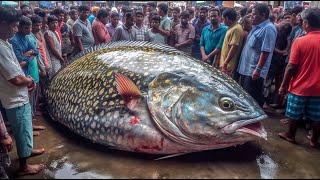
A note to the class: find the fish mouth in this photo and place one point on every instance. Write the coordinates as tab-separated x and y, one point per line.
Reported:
251	126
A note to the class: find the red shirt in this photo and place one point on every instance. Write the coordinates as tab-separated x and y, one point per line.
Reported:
100	32
305	52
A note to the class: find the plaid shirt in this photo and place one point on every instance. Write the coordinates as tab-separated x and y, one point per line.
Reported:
141	32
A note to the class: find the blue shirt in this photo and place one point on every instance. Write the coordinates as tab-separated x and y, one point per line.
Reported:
262	38
212	39
91	18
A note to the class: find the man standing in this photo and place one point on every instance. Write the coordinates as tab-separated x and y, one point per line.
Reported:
14	93
256	55
185	33
174	22
199	24
125	31
212	37
232	43
164	29
82	31
139	27
302	78
111	27
73	17
99	29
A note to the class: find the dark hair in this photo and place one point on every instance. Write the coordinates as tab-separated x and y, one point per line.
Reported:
262	9
57	12
243	11
83	8
73	12
36	19
25	21
102	13
52	18
230	13
203	8
9	15
128	14
40	13
185	14
37	10
312	16
139	12
23	6
296	10
114	14
215	9
156	18
176	9
73	8
163	7
272	18
287	13
191	11
152	4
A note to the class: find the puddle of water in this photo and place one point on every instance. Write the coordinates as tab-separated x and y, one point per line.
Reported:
268	168
63	169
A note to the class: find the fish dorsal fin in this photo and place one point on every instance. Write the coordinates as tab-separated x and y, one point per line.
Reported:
125	87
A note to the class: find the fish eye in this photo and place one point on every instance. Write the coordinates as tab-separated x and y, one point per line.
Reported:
226	104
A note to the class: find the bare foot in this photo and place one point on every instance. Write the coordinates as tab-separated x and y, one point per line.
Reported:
286	137
37	152
36	133
38	128
31	169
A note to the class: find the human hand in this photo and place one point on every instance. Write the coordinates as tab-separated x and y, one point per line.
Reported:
282	90
29	53
255	75
23	64
224	67
177	45
7	143
205	58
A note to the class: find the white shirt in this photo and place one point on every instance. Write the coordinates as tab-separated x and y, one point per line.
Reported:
11	96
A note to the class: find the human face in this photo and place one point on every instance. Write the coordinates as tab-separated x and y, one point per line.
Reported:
104	20
60	17
11	29
84	15
257	18
114	21
129	22
74	16
26	11
155	24
214	18
184	21
160	12
53	25
287	18
139	19
203	15
25	30
36	27
175	15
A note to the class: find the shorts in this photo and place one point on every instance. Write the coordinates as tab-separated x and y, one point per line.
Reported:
298	106
20	120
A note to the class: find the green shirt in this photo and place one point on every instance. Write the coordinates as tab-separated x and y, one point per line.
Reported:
212	39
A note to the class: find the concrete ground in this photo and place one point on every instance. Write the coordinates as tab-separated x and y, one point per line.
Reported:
69	156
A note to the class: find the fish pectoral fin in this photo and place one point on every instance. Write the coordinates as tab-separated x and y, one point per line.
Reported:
126	87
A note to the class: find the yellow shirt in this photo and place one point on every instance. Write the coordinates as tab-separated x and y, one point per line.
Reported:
234	36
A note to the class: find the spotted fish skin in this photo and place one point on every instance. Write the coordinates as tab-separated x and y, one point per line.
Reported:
84	97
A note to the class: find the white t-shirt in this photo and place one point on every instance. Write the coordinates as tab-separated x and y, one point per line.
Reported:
11	96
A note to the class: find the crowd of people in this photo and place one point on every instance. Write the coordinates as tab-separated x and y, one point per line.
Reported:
273	54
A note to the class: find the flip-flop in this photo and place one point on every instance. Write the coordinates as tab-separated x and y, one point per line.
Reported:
285	137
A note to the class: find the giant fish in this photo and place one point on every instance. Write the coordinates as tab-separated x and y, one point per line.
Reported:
152	98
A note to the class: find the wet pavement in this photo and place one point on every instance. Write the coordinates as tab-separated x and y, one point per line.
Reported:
69	156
